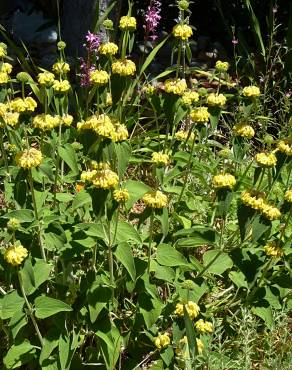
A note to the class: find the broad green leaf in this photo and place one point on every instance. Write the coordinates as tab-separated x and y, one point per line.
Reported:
18	321
50	341
27	276
23	215
168	256
220	264
81	199
136	190
97	298
67	153
238	278
46	306
195	236
191	336
162	272
110	343
19	354
125	255
260	226
150	308
64	351
152	55
266	314
123	152
10	303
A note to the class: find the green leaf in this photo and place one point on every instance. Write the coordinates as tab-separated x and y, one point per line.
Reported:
191	336
23	215
19	354
150	308
162	272
50	341
18	321
266	314
67	153
126	232
260	226
125	256
46	306
136	190
221	264
10	303
81	199
123	152
152	55
238	278
168	256
64	352
110	343
98	298
197	235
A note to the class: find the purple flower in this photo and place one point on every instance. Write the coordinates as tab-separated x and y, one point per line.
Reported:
234	41
93	41
85	69
152	18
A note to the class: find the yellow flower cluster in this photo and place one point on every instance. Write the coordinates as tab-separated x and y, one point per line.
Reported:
61	86
149	89
29	158
3	51
67	119
109	48
46	122
192	309
9	118
243	130
285	146
99	77
182	31
23	105
124	67
251	91
288	196
162	340
160	158
13	224
46	79
102	177
221	66
155	199
103	126
121	195
204	326
266	160
183	135
128	23
15	254
273	250
200	114
257	201
175	86
224	181
189	97
185	354
4	78
6	68
109	99
61	68
218	100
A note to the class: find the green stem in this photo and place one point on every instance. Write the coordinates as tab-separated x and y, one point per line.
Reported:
150	241
30	310
3	151
57	164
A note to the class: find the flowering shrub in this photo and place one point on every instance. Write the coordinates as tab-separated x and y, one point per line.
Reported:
135	215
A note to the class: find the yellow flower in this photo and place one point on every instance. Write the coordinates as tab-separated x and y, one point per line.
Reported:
160	158
222	66
29	158
266	160
162	340
11	118
105	179
88	175
270	212
109	48
251	91
4	78
6	68
192	309
13	224
46	79
61	68
46	122
182	31
253	199
3	109
128	23
61	86
200	114
149	89
184	341
67	119
273	250
30	103
224	181
109	99
218	100
124	67
120	133
204	326
243	130
288	196
101	125
99	77
15	254
121	196
3	51
285	146
155	199
189	97
182	135
200	345
175	86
